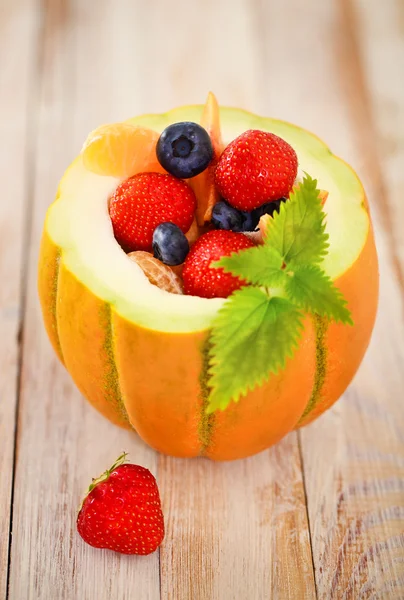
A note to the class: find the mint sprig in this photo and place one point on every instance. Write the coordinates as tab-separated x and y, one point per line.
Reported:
259	326
261	265
311	289
297	232
249	320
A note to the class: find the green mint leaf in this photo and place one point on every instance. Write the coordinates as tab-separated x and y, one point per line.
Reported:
312	290
251	338
261	266
297	232
254	332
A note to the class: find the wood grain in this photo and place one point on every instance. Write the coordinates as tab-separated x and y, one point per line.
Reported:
380	48
234	530
18	25
70	105
238	529
367	480
63	442
353	456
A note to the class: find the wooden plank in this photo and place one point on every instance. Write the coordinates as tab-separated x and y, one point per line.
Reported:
380	35
62	441
353	455
144	61
236	530
18	27
371	495
60	427
75	98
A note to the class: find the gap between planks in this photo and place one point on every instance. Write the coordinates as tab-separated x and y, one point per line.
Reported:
28	207
19	35
301	459
76	567
172	563
359	439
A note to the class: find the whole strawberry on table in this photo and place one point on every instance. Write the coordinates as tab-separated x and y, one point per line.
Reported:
122	511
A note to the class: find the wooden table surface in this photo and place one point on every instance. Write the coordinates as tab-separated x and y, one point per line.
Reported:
321	515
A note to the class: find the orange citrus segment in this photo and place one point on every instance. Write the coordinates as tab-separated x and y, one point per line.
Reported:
323	197
156	272
258	236
121	150
203	184
263	224
193	233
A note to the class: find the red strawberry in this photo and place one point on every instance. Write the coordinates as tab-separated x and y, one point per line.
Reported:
122	511
255	168
199	278
144	201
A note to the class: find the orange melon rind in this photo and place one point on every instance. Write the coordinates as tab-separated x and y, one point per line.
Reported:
138	353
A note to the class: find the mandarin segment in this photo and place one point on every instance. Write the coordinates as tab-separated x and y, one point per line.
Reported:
121	150
263	225
204	184
258	236
323	196
193	233
156	272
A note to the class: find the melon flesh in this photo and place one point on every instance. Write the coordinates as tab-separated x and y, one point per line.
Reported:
78	222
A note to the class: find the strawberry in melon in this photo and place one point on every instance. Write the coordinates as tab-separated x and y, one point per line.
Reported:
141	354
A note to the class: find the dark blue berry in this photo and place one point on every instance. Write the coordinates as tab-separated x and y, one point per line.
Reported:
170	244
270	207
252	218
227	217
184	149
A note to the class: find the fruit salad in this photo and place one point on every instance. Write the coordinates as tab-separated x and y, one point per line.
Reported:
209	278
155	209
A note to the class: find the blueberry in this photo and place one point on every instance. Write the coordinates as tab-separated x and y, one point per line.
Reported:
225	216
252	218
270	207
184	149
170	244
